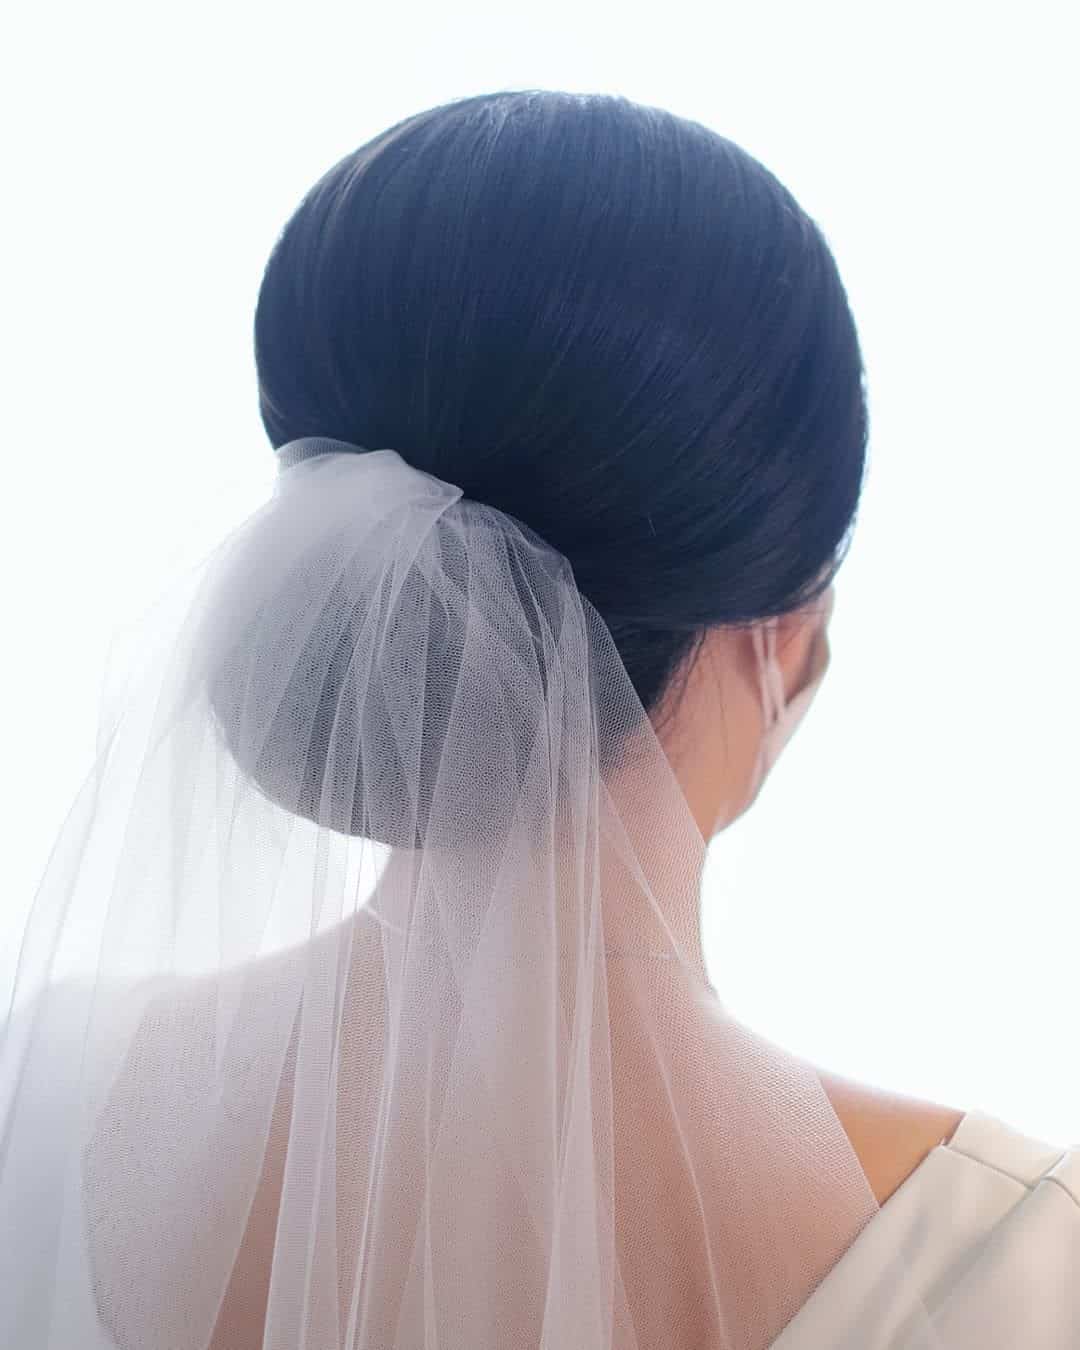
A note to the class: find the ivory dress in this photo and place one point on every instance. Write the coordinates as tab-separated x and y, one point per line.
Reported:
989	1225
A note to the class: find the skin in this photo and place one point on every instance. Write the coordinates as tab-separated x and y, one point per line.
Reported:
711	735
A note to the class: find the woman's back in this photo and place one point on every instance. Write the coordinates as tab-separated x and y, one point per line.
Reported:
674	1242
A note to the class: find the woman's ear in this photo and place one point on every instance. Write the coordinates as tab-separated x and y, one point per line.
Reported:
802	642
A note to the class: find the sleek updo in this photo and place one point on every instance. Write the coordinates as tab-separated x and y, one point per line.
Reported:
606	320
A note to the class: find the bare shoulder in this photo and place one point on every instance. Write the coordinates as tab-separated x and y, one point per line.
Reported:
890	1133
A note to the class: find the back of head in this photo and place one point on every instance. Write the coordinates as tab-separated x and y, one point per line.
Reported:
604	320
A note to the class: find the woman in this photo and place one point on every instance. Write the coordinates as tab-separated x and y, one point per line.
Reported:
395	1030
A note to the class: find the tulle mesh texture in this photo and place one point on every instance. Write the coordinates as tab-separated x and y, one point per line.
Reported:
363	1003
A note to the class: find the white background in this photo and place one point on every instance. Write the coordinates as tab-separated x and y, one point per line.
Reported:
902	902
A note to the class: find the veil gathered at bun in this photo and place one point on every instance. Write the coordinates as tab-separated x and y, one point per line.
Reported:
362	1005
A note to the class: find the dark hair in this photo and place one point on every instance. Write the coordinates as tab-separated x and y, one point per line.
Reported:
608	321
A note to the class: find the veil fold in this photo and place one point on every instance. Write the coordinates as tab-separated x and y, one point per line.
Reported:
362	1005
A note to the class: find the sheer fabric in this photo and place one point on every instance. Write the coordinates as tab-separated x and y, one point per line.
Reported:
363	1003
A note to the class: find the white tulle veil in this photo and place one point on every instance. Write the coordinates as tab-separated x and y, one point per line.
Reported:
365	986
